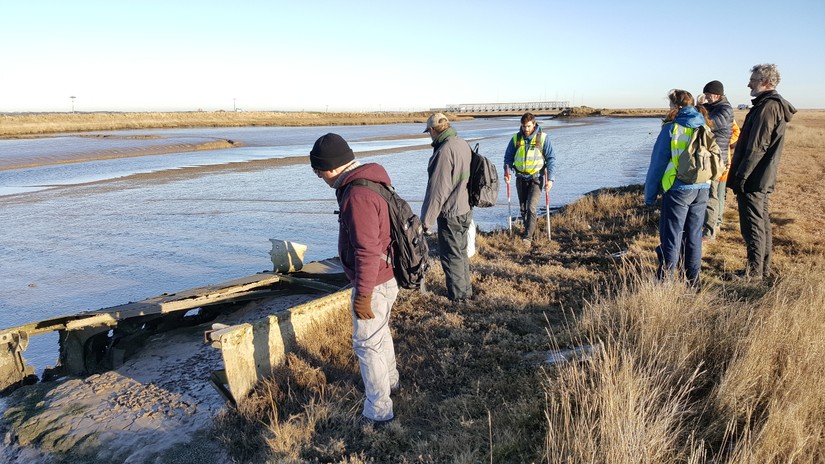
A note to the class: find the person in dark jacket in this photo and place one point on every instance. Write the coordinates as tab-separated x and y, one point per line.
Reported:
720	113
447	203
364	245
755	160
683	205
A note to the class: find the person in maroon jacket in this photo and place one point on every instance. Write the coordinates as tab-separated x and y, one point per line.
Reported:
364	247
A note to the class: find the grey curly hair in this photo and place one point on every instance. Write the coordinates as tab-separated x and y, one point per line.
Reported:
767	73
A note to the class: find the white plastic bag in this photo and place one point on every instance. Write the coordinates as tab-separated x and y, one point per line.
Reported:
471	239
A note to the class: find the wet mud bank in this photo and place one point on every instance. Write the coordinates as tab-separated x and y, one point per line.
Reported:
36	160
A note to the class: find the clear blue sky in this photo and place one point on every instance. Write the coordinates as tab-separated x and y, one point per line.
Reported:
165	55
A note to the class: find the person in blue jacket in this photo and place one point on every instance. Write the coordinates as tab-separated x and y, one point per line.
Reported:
683	205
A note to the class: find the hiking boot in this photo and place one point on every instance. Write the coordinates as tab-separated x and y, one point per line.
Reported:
367	423
741	275
461	299
526	242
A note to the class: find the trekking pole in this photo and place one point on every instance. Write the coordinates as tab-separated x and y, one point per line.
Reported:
547	205
509	208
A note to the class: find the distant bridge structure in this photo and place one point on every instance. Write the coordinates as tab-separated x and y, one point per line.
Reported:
508	107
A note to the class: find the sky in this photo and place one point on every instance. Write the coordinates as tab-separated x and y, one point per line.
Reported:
270	55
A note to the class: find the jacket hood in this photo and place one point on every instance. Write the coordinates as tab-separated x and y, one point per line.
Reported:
370	171
689	116
787	108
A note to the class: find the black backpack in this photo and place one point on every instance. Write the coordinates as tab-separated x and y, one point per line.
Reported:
409	245
483	183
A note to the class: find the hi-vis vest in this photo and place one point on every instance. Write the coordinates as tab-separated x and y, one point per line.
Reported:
529	160
679	139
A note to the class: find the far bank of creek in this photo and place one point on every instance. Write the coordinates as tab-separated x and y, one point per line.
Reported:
111	229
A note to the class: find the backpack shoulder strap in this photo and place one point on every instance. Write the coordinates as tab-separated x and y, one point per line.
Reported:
386	192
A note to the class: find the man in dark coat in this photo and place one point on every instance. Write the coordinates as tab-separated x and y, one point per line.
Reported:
755	161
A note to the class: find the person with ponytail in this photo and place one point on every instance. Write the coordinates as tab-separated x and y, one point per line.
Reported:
683	205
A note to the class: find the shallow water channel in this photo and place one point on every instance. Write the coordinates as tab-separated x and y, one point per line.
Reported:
87	235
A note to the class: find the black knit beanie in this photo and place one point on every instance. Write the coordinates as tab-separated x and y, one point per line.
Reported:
329	152
714	87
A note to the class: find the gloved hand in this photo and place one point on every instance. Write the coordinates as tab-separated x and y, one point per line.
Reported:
363	306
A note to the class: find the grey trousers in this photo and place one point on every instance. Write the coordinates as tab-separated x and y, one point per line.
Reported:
755	223
372	342
452	249
716	208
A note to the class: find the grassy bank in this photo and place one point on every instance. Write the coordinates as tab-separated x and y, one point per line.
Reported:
732	373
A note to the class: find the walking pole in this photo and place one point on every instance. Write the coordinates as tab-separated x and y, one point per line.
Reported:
509	207
547	205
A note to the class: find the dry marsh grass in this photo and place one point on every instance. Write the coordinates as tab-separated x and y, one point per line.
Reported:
805	137
695	377
730	374
772	391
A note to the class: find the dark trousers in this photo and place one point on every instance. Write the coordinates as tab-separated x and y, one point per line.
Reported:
680	232
755	223
452	249
529	192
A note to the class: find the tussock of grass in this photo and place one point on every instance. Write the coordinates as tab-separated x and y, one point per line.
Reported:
773	390
633	401
684	376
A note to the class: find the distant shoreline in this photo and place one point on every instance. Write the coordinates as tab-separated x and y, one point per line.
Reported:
25	125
